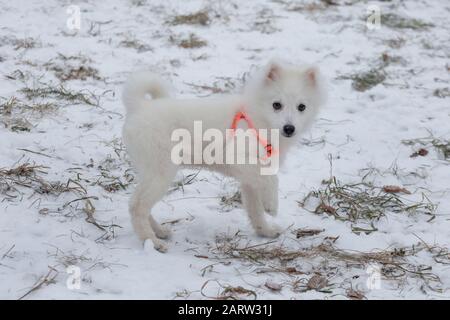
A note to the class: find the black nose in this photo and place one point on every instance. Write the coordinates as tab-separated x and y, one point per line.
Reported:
288	129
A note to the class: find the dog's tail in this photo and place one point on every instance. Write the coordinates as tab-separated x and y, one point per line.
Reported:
139	85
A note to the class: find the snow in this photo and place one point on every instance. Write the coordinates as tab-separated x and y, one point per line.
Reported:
41	234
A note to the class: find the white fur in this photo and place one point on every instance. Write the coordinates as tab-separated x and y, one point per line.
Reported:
150	123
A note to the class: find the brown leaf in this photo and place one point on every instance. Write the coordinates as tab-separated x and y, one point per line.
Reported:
317	282
421	152
273	285
308	232
355	295
293	270
395	189
229	291
325	208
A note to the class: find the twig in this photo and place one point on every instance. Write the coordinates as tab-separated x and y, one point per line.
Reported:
44	280
35	152
7	252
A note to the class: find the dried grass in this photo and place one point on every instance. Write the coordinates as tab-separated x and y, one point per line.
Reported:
115	173
191	42
31	176
68	68
24	175
228	292
198	18
442	93
21	43
396	264
184	181
135	44
362	204
232	201
367	80
61	94
396	21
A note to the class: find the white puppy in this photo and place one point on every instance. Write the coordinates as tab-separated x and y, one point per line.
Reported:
282	97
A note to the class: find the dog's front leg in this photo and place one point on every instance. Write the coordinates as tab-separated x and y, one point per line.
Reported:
251	198
268	188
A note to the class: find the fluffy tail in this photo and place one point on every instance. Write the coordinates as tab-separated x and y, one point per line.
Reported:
140	84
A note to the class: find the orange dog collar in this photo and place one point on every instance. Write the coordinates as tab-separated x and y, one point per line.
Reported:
240	115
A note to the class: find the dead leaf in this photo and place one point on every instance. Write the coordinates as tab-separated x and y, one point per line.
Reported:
355	295
229	291
300	233
325	208
273	285
395	189
317	282
421	152
293	270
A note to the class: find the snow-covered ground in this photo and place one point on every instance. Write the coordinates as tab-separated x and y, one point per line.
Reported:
65	179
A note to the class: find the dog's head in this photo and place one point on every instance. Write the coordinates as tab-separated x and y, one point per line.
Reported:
289	97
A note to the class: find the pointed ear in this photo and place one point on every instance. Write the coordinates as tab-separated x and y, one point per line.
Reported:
312	73
273	72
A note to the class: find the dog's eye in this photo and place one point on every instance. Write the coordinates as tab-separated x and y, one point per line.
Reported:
277	105
301	107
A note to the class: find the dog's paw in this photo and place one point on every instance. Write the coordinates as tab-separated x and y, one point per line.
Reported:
272	231
156	244
163	232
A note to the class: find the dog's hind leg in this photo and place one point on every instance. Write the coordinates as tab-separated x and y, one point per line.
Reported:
253	204
148	192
